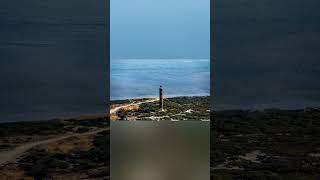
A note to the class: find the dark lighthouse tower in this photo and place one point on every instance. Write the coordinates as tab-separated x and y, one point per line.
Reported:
161	98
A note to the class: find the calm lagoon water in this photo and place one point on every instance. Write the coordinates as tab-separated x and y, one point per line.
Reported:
131	78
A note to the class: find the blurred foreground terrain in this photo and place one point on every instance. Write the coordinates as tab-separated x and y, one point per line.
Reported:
164	150
57	149
271	144
268	144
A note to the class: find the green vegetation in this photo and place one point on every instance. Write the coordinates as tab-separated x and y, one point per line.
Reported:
90	164
177	108
270	144
84	155
126	101
51	127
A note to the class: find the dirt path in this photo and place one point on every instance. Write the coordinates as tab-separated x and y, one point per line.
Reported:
114	110
13	155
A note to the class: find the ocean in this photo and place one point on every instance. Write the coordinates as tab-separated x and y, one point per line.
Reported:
267	54
135	78
53	61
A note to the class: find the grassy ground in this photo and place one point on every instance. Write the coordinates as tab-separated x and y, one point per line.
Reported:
177	108
82	156
247	145
90	160
270	144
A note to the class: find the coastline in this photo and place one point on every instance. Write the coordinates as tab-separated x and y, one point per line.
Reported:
76	116
177	108
230	129
166	96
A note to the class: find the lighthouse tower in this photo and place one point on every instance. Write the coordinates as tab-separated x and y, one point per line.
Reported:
161	98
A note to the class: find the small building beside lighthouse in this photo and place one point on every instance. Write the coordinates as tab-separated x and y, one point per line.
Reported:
160	98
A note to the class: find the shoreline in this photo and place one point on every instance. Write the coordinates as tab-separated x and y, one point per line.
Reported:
256	108
166	96
106	114
61	118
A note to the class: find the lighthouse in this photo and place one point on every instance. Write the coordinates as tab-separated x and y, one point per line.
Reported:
160	98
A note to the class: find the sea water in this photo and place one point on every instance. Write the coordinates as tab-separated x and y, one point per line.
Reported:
53	61
133	78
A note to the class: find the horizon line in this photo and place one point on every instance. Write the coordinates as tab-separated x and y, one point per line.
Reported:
159	58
